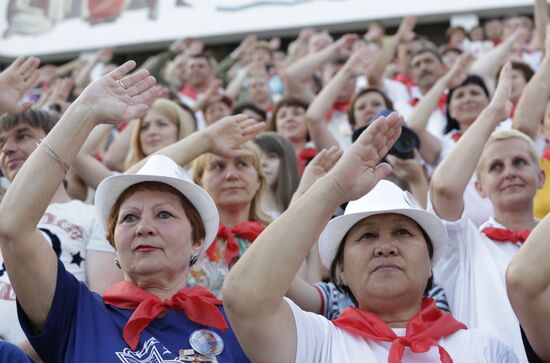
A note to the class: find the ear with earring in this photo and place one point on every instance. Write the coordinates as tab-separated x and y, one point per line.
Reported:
194	260
117	263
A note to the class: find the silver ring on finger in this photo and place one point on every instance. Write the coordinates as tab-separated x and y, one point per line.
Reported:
121	84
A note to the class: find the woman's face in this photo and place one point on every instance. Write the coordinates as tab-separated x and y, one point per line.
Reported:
466	104
231	182
156	132
216	111
366	107
509	176
385	257
270	167
153	236
258	89
291	123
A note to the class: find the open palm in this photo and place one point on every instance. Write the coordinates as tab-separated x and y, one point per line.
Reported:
116	96
358	171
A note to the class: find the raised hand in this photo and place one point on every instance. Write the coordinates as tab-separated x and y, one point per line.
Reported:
15	82
343	46
117	96
360	62
405	32
410	170
500	103
358	171
321	164
228	134
458	72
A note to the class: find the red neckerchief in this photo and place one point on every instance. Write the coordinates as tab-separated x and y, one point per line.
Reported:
303	157
246	230
423	330
189	92
407	81
506	235
197	303
546	153
337	106
456	136
441	103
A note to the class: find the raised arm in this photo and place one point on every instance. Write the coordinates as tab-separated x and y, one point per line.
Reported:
304	68
15	82
387	53
222	138
254	289
488	64
358	64
452	175
528	283
533	100
430	146
30	260
541	22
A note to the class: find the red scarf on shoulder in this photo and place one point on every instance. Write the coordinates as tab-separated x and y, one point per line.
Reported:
245	230
423	330
198	303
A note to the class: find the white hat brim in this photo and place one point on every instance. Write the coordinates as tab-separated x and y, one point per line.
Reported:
337	228
112	187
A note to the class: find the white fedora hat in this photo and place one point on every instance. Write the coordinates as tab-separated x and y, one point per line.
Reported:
162	169
385	197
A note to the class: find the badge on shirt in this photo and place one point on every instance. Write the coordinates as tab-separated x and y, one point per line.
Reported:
206	346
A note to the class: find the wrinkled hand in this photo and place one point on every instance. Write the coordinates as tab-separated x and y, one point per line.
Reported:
358	171
500	103
228	134
458	72
321	164
15	82
109	101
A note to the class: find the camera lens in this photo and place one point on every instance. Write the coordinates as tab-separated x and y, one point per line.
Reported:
405	145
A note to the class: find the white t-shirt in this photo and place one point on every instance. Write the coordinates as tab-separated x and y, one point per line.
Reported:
340	128
72	229
472	273
318	340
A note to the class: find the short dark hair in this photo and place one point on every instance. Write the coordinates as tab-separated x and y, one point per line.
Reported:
364	91
523	67
285	102
452	124
339	260
432	51
249	106
44	120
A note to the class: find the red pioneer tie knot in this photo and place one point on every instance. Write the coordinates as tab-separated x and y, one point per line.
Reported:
506	235
423	331
199	305
245	230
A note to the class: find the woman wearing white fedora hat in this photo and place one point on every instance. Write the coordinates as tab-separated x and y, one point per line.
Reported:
381	251
159	222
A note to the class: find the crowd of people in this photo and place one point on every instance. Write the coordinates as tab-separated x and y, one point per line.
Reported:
373	198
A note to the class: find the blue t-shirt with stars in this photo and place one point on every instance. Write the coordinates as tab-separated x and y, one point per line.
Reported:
81	328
